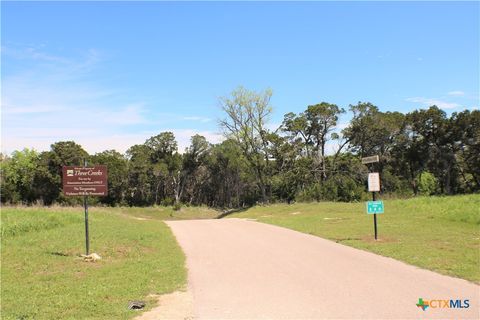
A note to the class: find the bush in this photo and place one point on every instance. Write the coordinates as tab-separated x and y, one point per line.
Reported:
337	188
329	190
427	183
168	201
283	187
310	193
347	189
177	206
394	184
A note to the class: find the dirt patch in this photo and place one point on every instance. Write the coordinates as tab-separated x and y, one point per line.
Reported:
173	306
140	218
133	217
127	216
334	220
60	254
340	240
88	265
147	250
122	251
46	273
295	213
380	239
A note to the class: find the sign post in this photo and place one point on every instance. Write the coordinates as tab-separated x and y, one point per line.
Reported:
374	217
371	159
373	186
85	206
85	181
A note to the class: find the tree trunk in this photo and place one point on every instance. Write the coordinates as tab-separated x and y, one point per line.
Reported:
414	183
324	173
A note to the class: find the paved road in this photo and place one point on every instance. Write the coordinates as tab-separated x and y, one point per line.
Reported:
248	270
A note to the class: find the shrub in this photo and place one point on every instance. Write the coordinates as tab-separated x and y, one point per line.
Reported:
310	193
427	183
347	189
177	206
168	201
329	190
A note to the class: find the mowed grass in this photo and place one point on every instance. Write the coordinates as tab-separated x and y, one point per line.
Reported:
42	276
437	233
163	213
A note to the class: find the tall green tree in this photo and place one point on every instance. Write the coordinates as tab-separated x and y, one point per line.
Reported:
18	173
431	132
299	131
232	183
140	173
194	172
372	132
48	176
465	130
322	120
247	115
168	165
117	166
163	146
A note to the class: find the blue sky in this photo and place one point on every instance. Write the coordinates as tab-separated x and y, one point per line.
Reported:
109	75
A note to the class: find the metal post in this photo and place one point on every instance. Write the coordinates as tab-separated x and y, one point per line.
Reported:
85	205
374	217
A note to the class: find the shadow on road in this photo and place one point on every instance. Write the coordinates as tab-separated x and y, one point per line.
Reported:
229	212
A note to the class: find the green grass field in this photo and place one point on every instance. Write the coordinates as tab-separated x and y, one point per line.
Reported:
436	233
42	276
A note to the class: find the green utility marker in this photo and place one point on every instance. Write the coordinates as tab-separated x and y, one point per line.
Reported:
374	207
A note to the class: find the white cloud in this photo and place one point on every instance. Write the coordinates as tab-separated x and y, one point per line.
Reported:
430	102
59	99
197	118
183	137
35	54
93	140
456	93
331	147
32	53
30	109
272	126
342	125
131	114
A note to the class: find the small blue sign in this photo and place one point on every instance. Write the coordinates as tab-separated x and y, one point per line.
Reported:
374	207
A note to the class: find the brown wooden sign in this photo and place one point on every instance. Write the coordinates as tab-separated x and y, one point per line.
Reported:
371	159
85	181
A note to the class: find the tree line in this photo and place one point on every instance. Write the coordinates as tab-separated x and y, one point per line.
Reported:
421	152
